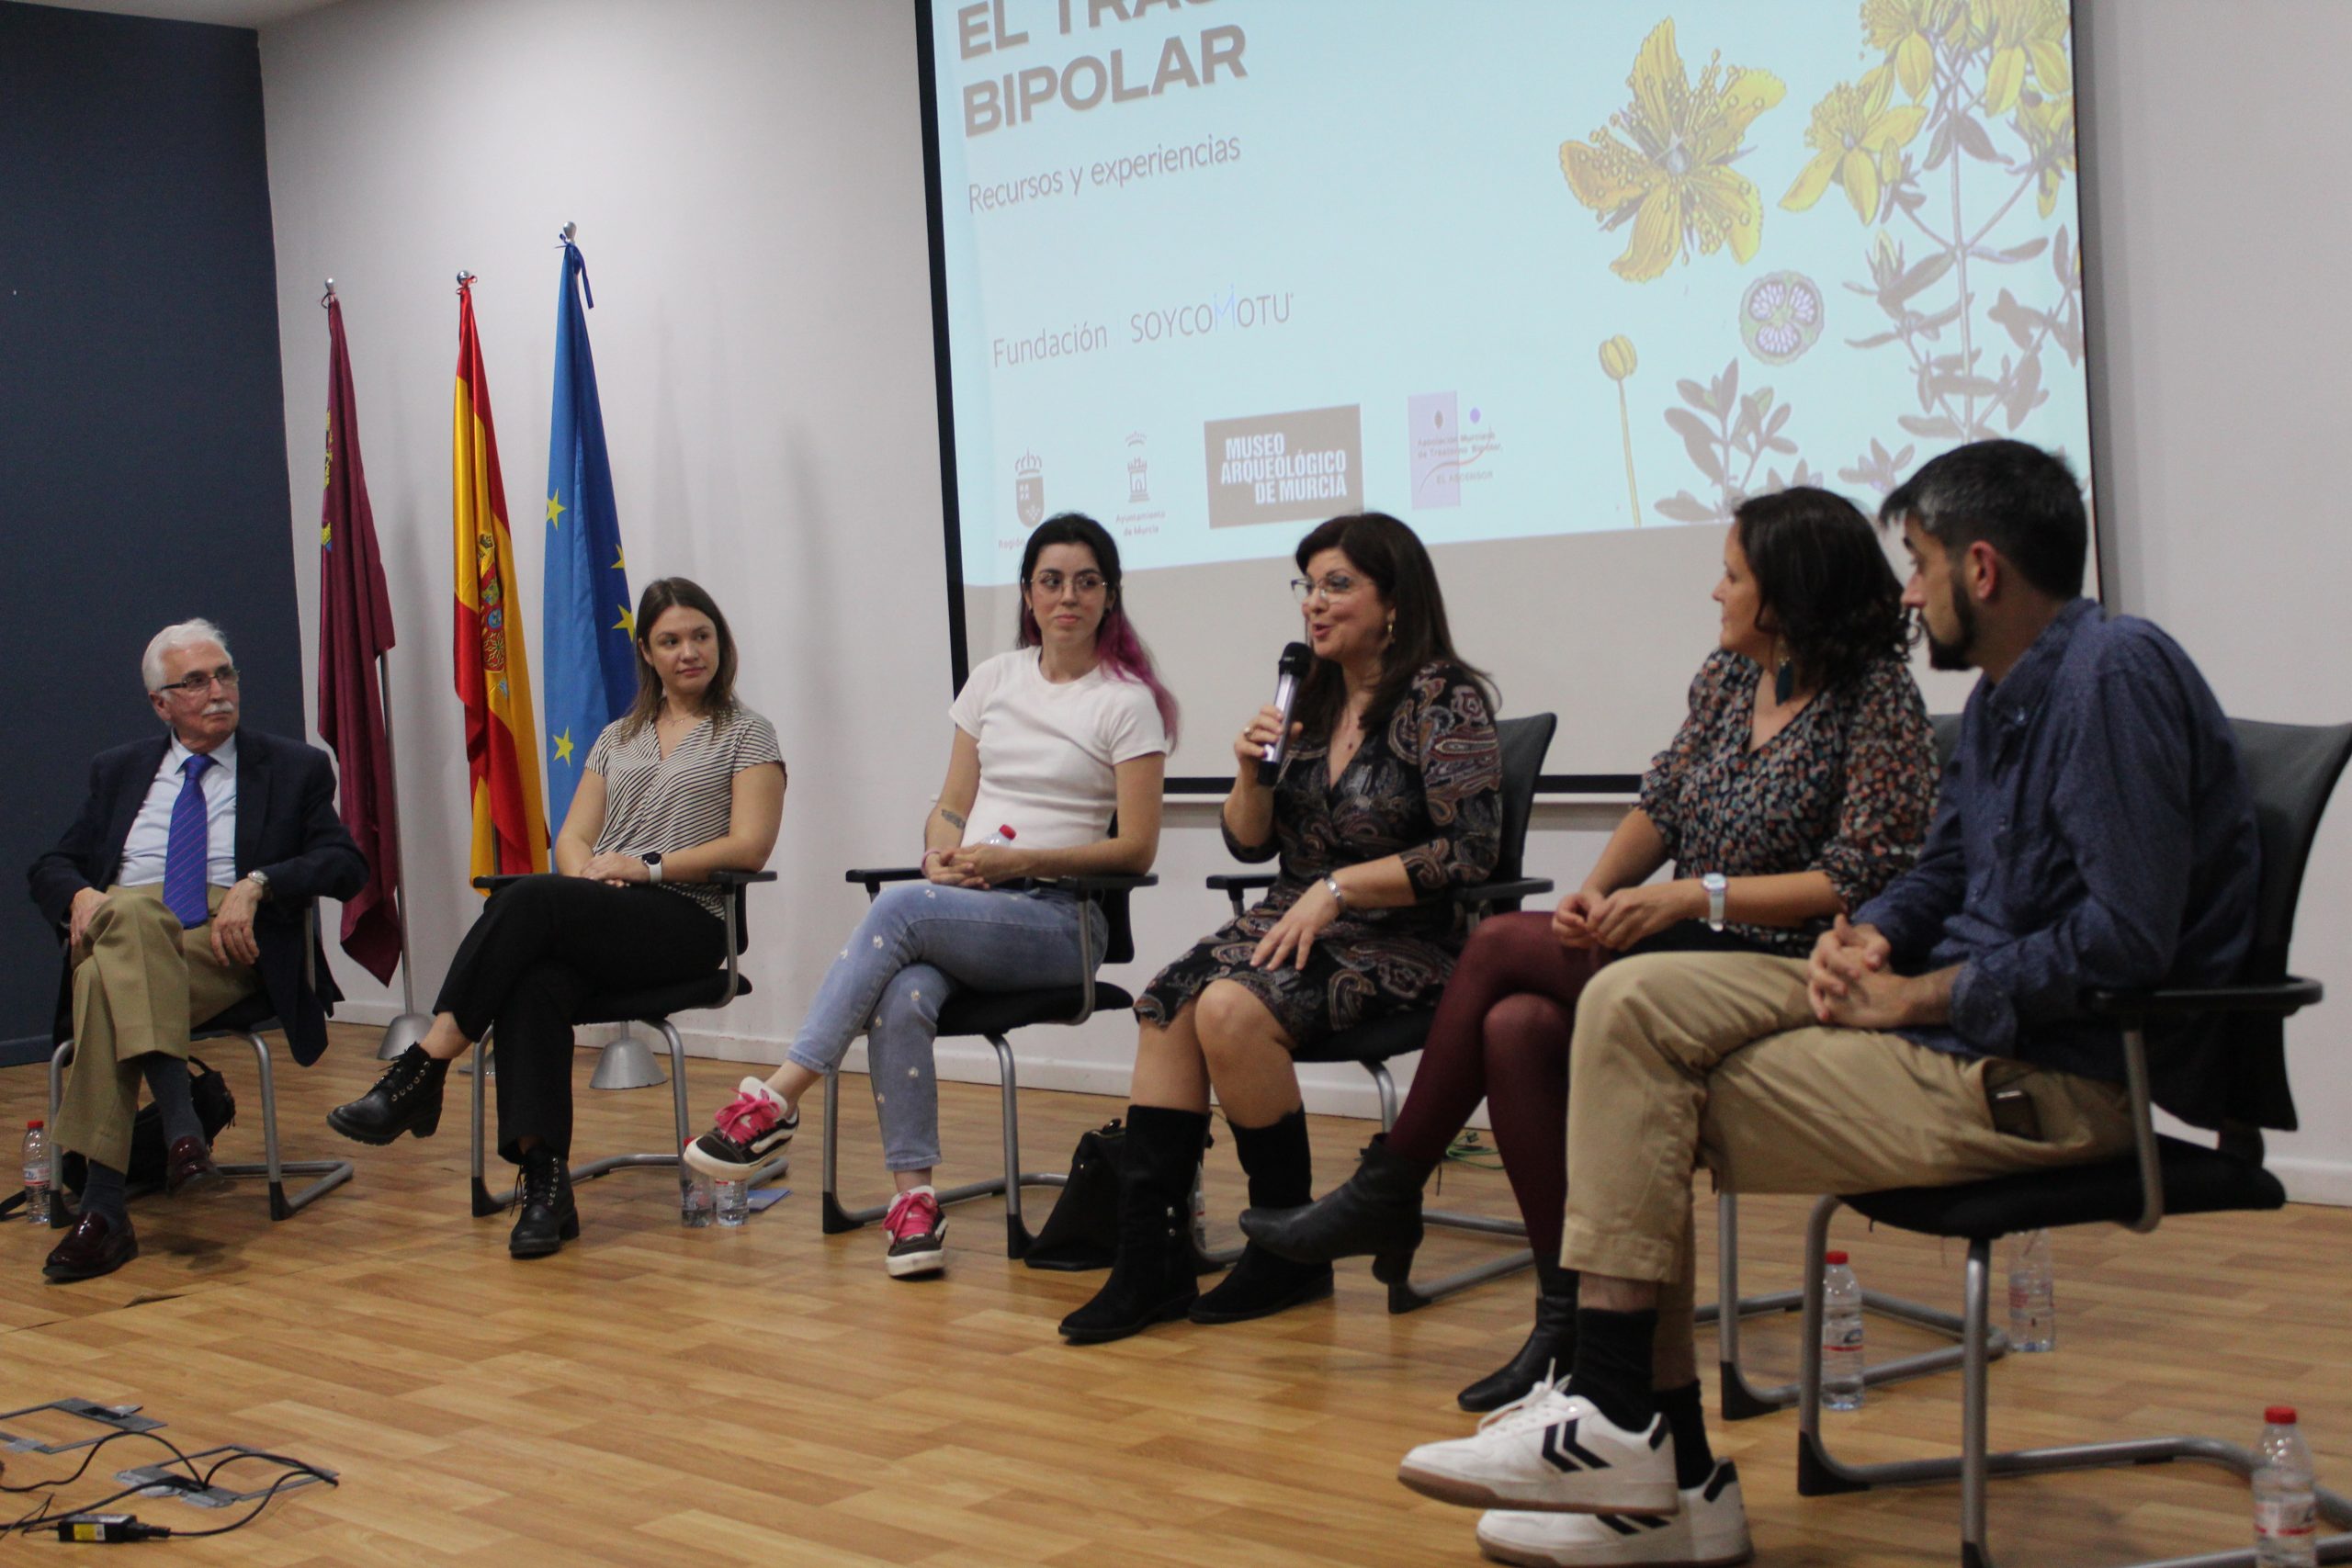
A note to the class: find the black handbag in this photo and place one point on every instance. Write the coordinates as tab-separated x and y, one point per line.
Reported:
1082	1232
216	1108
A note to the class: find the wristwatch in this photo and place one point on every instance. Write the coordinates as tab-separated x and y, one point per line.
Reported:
653	866
1338	894
1717	884
259	879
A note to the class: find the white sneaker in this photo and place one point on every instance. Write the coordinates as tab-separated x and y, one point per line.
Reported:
1710	1532
1553	1451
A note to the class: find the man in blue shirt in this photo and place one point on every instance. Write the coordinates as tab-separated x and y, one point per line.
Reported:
2094	831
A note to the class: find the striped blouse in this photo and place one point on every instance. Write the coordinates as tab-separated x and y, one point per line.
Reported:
657	804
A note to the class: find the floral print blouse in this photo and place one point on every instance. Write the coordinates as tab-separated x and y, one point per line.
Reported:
1847	788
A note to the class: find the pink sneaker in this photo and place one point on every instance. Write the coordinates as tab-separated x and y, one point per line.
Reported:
748	1132
918	1234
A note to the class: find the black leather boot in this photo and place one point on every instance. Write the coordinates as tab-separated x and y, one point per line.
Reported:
1152	1274
1281	1177
1551	1344
1376	1210
407	1099
544	1194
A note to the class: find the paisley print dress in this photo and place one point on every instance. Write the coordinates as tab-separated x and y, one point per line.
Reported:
1426	786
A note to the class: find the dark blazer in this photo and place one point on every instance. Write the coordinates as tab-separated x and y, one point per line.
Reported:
286	829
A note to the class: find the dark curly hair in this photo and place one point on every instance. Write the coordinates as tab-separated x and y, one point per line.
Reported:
1825	586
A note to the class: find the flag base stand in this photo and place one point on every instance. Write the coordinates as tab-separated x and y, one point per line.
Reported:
400	1034
626	1063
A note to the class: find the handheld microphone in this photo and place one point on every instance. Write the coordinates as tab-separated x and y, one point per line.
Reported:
1289	671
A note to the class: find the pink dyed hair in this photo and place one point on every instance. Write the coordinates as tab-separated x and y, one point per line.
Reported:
1117	642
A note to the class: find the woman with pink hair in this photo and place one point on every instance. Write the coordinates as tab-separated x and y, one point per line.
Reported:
1051	739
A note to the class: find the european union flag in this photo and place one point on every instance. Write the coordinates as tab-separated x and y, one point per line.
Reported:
589	669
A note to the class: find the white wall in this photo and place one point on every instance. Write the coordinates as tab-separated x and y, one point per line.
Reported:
747	181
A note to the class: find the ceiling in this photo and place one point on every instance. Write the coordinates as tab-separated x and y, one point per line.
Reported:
227	13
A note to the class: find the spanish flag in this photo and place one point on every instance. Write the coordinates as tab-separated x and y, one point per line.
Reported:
493	673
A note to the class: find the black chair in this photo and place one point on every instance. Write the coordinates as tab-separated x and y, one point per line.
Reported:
1742	1399
651	1008
1373	1045
2292	769
993	1015
247	1020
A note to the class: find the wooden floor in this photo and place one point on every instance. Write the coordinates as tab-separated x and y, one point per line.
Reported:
655	1395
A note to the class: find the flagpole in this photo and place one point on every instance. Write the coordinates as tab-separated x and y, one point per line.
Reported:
410	1027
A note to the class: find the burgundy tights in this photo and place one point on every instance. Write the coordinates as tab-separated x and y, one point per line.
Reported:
1501	1034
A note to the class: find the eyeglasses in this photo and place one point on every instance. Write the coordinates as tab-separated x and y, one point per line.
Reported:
1088	583
1337	585
196	685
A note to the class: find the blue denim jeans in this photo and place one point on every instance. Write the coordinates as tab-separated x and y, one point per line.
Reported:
917	944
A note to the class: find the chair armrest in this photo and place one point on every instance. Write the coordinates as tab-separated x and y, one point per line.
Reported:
740	879
1496	892
2278	997
492	884
1102	882
1240	882
873	877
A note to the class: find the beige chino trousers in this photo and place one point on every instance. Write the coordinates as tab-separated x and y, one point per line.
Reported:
141	982
1687	1059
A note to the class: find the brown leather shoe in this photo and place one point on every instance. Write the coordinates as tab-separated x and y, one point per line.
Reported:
95	1246
190	1168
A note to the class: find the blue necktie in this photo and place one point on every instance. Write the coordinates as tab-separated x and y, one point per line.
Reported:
188	853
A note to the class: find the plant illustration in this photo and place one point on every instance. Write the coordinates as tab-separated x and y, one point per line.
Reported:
1617	362
1988	81
1729	449
1668	169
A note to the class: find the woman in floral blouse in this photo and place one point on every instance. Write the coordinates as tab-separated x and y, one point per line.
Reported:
1390	796
1800	782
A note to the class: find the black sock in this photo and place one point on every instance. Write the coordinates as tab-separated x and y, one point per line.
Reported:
102	1193
167	1081
1612	1366
1693	1459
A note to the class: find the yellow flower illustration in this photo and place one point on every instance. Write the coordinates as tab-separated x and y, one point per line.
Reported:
1856	138
1675	182
1908	30
2022	33
2048	127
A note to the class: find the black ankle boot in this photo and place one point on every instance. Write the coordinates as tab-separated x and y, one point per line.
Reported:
544	1194
1377	1210
407	1099
1551	1344
1281	1177
1152	1274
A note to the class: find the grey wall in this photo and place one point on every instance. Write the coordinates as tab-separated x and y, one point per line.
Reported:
143	460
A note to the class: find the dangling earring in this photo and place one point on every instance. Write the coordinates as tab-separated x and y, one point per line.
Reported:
1784	680
1391	635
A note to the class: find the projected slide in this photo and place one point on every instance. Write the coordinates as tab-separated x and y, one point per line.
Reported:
1523	274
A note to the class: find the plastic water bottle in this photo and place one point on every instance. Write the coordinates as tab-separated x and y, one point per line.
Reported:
36	1173
734	1205
696	1199
1003	835
1841	1335
2033	1304
2285	1517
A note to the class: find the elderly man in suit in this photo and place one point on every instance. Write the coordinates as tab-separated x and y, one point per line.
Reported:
180	890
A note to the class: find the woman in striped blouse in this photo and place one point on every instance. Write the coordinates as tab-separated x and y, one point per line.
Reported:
687	782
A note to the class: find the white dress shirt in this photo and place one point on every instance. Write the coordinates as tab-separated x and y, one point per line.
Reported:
151	832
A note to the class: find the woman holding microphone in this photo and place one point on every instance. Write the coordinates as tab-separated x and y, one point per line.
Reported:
1390	796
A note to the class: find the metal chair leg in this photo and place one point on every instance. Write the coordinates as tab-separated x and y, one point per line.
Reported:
57	1060
483	1203
1744	1400
1819	1472
330	1173
836	1218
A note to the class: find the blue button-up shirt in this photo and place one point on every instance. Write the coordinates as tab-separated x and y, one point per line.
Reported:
2093	833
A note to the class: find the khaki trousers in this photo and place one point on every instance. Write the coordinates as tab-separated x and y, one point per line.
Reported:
139	983
1685	1059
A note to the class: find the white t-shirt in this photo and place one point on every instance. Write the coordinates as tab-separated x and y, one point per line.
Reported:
1048	750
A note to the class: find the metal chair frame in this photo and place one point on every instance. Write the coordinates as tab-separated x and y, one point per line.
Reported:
837	1219
2286	849
735	884
330	1173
